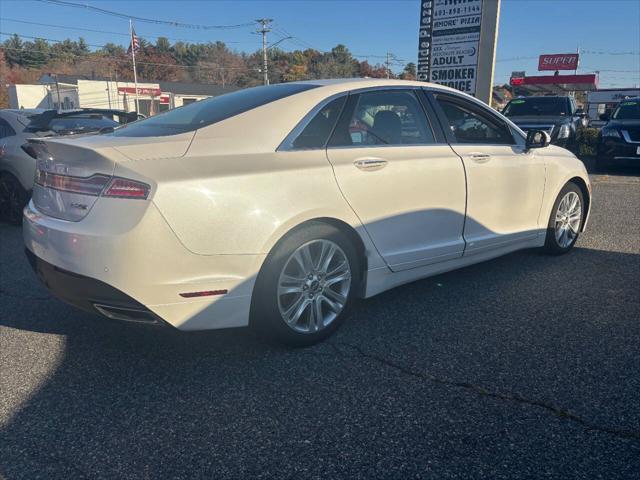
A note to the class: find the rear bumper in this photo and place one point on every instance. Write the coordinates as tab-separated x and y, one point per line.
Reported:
89	294
132	261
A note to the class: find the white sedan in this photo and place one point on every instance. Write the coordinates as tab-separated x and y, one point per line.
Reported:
276	206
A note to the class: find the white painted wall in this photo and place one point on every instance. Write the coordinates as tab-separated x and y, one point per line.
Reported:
104	94
42	96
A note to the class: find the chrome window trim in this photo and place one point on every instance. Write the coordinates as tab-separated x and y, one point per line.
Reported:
510	126
287	144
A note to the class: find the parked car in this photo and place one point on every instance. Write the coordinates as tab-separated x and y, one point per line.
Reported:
619	139
17	163
265	207
558	116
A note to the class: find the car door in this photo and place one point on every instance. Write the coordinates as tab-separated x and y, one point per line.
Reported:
400	176
505	181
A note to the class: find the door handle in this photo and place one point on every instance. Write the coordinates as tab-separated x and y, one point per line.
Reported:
370	163
480	157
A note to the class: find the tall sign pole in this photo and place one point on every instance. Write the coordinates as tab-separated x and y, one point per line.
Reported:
133	57
457	43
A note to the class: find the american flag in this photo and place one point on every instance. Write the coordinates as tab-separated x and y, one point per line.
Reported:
135	43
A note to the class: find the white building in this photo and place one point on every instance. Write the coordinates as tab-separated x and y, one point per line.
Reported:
67	92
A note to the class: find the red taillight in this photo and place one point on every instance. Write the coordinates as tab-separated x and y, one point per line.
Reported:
123	188
92	185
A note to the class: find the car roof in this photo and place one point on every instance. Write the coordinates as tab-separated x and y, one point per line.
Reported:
350	83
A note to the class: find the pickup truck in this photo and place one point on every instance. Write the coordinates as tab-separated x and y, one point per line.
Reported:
558	116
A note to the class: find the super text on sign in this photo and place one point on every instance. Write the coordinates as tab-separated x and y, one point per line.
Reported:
558	61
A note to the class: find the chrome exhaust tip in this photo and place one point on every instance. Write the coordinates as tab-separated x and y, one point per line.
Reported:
127	314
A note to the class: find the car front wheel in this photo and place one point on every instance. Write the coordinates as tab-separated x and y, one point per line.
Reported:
566	220
306	286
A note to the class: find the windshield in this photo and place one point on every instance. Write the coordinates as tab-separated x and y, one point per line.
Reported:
627	110
537	106
206	112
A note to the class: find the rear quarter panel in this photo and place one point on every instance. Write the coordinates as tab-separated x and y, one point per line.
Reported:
244	203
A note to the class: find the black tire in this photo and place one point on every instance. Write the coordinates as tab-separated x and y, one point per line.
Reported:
13	198
265	313
551	244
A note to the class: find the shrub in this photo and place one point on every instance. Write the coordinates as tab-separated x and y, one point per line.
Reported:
587	141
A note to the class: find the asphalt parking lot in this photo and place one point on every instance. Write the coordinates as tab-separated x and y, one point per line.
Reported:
527	366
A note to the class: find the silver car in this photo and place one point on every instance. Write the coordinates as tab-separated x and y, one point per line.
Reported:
17	160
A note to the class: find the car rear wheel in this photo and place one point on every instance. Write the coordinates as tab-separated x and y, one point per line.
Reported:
566	220
306	286
13	199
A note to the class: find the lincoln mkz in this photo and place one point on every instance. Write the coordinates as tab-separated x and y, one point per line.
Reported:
278	206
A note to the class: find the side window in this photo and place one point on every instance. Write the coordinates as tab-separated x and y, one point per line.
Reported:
470	125
5	129
317	131
385	117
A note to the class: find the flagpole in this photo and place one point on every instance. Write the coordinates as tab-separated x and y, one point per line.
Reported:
133	56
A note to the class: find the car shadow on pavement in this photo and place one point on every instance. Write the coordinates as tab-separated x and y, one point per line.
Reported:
127	401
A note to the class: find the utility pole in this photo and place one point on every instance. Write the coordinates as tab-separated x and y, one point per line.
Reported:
58	91
388	63
265	28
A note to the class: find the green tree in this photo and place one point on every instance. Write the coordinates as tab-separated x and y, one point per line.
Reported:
112	49
163	45
36	54
81	47
13	50
409	72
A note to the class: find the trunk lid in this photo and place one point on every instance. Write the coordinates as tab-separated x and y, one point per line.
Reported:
73	172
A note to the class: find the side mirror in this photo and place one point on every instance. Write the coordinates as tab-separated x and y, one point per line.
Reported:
604	117
537	139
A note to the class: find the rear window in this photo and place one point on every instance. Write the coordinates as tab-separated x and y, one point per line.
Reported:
206	112
81	124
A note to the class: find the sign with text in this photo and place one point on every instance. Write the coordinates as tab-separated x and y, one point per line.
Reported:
559	61
154	92
457	44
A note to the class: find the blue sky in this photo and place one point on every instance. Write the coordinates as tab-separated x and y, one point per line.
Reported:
368	27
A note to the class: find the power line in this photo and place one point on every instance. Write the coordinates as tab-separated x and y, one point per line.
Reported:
592	52
88	58
300	42
66	27
113	13
47	39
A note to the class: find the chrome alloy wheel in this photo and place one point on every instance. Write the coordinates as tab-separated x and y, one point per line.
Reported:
568	218
314	286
